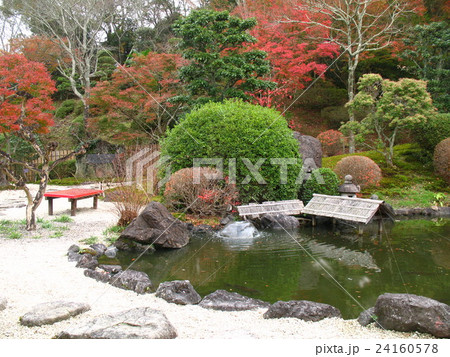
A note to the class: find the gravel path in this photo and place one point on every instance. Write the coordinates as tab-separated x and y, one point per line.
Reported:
34	271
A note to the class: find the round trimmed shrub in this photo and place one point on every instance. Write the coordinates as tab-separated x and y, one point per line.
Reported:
323	181
365	171
207	194
66	108
332	142
441	159
240	134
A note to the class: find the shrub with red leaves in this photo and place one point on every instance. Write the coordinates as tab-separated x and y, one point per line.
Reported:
441	159
204	192
365	171
332	142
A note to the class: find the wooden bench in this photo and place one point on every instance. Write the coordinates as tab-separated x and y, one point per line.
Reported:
73	195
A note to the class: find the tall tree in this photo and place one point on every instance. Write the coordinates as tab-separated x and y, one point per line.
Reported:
357	27
25	112
221	63
133	106
428	50
76	27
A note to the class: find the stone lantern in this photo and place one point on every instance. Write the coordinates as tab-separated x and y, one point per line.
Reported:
348	188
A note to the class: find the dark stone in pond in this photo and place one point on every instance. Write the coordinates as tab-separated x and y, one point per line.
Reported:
87	261
179	292
202	229
155	225
134	280
98	274
408	312
111	252
228	219
129	245
3	303
366	317
228	301
301	309
112	269
141	322
278	222
51	312
99	248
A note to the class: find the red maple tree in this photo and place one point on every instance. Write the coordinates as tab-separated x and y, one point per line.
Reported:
134	105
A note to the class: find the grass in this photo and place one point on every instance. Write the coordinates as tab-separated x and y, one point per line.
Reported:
411	183
111	234
14	229
63	219
90	240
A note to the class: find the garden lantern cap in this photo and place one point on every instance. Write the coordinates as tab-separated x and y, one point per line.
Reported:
348	188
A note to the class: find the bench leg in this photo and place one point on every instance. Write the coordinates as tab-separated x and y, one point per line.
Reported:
73	207
50	206
95	202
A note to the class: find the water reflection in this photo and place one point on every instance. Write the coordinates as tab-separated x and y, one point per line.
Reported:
411	256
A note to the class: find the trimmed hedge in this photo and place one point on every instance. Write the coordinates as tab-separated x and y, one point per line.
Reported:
238	130
323	181
431	133
441	159
365	171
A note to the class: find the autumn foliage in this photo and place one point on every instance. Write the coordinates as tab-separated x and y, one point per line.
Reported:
133	104
365	171
332	141
25	95
207	195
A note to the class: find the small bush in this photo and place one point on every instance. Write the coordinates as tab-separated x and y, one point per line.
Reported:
334	116
321	96
236	131
365	171
333	142
67	107
431	133
64	170
441	159
208	197
128	201
323	181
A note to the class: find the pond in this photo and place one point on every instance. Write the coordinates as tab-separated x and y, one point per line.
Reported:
324	264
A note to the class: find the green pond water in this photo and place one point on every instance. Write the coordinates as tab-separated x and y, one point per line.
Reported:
327	264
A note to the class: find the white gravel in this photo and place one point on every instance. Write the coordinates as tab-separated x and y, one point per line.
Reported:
35	270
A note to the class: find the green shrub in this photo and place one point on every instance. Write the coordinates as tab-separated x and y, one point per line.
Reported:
321	96
65	108
64	170
238	130
323	181
334	116
365	172
441	159
436	129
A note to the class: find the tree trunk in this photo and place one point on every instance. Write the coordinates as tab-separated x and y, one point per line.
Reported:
31	218
351	95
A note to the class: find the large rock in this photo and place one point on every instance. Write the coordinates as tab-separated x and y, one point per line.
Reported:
141	322
87	261
134	280
278	221
51	312
301	309
407	312
156	226
178	292
3	303
228	301
311	150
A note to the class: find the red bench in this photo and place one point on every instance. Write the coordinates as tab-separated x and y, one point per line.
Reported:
73	196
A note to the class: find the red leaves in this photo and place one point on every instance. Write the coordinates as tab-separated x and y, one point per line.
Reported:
25	94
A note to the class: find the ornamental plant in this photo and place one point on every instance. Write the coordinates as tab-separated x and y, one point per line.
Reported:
242	136
441	159
323	181
365	171
332	142
209	195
